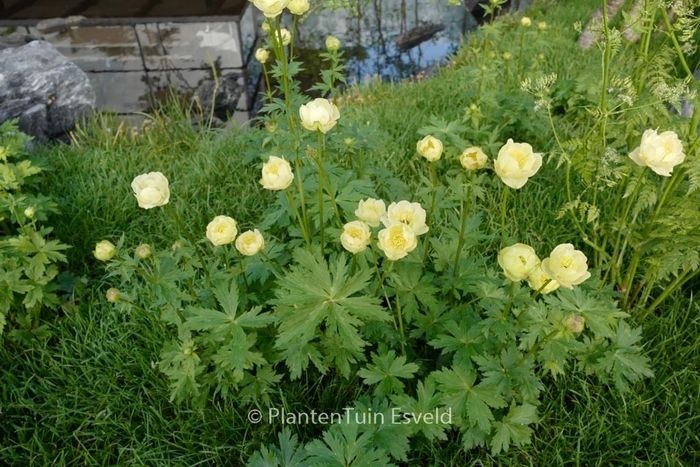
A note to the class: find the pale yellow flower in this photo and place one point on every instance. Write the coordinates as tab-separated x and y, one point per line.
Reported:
356	236
276	174
144	251
567	266
525	21
319	114
271	8
262	55
105	250
151	190
285	36
518	261
537	279
29	212
575	323
406	213
113	295
222	230
660	152
541	26
332	43
473	158
265	26
430	148
371	211
250	242
516	163
397	241
298	7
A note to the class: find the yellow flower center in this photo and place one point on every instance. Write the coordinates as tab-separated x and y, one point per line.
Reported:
354	232
522	260
519	156
566	261
396	239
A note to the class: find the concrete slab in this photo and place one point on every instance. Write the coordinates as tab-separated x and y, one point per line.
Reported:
121	92
98	48
185	83
196	46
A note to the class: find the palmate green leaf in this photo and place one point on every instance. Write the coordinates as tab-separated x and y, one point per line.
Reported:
312	295
466	399
464	339
181	365
386	370
377	417
341	447
601	315
624	361
427	402
513	428
506	373
417	290
288	454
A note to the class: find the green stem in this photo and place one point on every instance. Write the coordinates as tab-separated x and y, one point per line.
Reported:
676	45
465	215
300	187
400	316
504	201
190	239
615	260
511	291
327	180
537	347
274	266
431	217
240	261
518	73
319	161
293	204
682	278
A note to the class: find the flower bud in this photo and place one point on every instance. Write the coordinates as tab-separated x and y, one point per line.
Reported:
541	26
262	55
105	250
177	245
265	26
332	43
144	251
298	7
525	21
575	323
473	158
113	295
29	212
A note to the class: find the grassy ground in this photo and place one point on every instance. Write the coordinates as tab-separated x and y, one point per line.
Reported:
91	395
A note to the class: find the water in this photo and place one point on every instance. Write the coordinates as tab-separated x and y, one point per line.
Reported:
369	38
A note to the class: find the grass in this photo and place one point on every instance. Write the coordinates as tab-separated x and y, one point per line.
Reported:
91	395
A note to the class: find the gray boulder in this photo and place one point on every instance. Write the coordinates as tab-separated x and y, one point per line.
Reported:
43	89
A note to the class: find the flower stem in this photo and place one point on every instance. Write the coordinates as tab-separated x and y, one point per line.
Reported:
190	239
240	261
400	316
616	262
293	204
319	161
433	177
504	201
465	214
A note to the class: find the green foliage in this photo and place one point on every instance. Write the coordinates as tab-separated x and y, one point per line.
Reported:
29	258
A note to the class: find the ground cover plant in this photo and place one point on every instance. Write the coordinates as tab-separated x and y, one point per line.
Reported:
467	273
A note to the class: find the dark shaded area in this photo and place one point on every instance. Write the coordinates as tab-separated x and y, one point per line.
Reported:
44	9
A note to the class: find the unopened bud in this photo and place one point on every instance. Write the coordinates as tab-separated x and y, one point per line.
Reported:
575	323
29	212
113	295
144	251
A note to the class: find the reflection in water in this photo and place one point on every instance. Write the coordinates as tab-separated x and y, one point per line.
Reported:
369	38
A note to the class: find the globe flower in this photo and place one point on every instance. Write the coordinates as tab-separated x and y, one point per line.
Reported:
538	278
406	213
29	212
262	55
525	21
276	174
516	163
397	241
371	211
518	261
332	43
430	148
250	242
270	8
660	152
541	26
113	295
151	190
177	245
319	114
265	26
222	230
144	251
105	250
567	266
356	236
285	36
298	7
575	323
473	158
